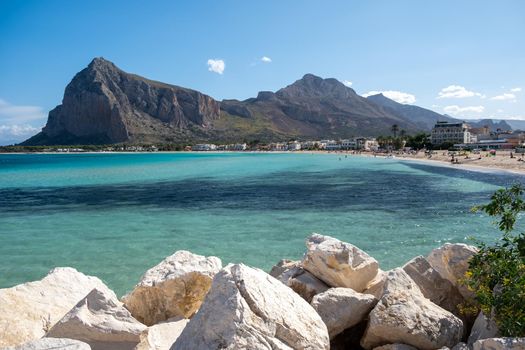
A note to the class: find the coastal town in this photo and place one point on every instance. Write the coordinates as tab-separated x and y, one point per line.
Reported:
444	136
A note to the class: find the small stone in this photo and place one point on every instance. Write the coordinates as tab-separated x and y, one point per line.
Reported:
500	344
51	344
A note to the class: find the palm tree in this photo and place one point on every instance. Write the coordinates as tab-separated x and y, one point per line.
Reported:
395	129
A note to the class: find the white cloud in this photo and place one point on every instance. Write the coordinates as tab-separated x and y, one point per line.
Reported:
18	123
12	134
216	65
398	96
347	83
457	91
457	110
266	59
504	97
13	114
516	89
18	130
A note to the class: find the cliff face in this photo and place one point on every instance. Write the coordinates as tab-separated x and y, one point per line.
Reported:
103	104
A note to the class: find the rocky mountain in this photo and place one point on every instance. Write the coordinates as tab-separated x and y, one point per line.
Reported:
423	118
104	105
316	107
494	125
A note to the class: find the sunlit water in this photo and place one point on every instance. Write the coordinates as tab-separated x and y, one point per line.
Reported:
116	215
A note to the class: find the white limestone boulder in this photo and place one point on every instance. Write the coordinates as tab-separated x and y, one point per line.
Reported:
434	287
29	310
282	268
451	261
51	344
175	287
342	308
338	264
162	336
248	309
306	285
484	327
403	315
461	346
301	281
500	344
375	286
101	321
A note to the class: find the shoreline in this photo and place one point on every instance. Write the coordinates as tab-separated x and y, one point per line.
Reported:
500	164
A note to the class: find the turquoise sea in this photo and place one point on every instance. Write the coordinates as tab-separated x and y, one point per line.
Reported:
116	215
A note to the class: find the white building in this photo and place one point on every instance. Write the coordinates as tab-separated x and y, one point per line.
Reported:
367	144
445	132
294	146
278	147
238	147
332	145
310	144
204	147
348	144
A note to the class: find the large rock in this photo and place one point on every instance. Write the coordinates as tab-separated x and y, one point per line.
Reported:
248	309
282	269
484	327
306	285
500	344
342	308
339	264
162	336
404	315
375	286
29	310
51	344
101	321
103	104
451	261
434	287
301	281
175	287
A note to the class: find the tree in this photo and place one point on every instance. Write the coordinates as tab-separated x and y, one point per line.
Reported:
496	273
395	129
418	141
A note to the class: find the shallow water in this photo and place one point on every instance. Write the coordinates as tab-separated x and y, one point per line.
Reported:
116	215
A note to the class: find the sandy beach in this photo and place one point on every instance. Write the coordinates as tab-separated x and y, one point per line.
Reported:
483	161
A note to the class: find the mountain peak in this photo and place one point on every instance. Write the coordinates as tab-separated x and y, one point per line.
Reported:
311	85
310	76
100	62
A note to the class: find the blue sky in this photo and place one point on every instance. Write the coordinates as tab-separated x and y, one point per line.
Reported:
465	58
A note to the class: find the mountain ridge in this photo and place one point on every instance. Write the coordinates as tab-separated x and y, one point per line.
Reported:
104	104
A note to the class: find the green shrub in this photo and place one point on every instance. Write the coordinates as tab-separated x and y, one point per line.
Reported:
497	272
